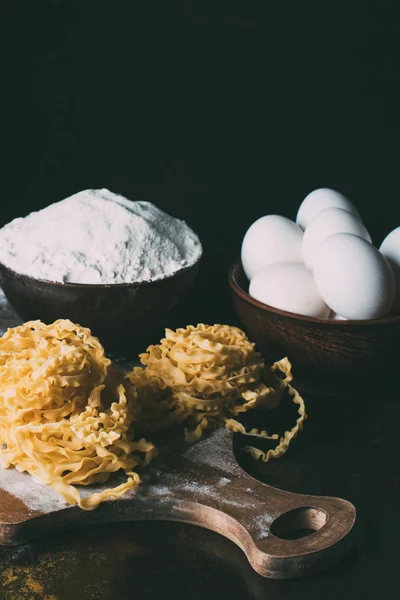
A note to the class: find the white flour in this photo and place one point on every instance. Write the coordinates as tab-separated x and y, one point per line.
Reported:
98	237
204	453
33	494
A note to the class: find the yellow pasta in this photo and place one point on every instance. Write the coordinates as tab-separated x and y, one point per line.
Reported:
65	412
204	359
158	409
205	376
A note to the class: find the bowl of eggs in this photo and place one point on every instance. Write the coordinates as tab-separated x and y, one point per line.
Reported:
317	290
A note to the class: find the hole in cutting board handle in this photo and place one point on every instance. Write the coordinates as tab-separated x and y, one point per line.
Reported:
298	523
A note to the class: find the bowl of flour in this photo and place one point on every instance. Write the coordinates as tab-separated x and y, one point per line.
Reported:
114	265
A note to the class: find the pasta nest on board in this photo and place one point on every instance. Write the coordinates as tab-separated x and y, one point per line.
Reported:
206	375
65	413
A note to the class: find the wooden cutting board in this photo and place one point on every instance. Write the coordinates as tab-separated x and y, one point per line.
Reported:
203	485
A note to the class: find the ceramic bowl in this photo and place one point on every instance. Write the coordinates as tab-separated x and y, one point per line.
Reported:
123	316
327	356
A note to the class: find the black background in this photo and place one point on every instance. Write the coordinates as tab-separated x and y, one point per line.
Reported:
216	111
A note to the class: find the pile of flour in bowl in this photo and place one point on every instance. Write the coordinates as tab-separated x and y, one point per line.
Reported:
98	237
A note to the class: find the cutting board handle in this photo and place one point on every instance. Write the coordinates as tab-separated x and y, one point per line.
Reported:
302	534
283	535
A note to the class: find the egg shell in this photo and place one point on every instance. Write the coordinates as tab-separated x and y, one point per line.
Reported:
326	223
353	277
319	200
269	240
337	317
390	248
290	287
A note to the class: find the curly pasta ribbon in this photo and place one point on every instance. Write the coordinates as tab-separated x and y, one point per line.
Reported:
204	376
65	413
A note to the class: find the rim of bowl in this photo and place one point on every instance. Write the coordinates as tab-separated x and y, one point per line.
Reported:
233	282
70	284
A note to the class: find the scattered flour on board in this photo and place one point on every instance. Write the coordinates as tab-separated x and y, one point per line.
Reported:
33	494
160	490
214	492
223	481
98	237
220	457
262	524
199	488
44	498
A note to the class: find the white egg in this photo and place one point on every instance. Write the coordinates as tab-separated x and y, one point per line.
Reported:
353	277
269	240
319	200
290	287
326	223
337	317
390	249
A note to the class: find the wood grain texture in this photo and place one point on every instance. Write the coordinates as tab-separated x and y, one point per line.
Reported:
327	356
202	485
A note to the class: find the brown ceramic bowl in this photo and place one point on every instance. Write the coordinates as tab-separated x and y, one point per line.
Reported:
327	356
123	316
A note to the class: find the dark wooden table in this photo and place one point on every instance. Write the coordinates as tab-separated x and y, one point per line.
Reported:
349	448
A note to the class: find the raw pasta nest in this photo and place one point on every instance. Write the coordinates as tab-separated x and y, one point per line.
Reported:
158	409
65	412
206	376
